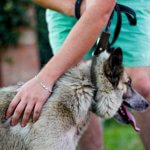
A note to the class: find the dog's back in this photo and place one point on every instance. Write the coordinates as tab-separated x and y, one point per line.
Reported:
63	118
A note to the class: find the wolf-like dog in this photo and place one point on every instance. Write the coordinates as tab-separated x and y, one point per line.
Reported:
102	87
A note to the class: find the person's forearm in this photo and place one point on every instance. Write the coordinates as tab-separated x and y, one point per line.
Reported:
63	6
79	41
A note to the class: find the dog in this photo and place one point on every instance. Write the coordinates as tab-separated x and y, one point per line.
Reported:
100	86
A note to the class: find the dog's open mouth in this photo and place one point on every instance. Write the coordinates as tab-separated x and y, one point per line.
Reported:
127	117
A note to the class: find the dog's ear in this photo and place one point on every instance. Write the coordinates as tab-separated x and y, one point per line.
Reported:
116	58
113	68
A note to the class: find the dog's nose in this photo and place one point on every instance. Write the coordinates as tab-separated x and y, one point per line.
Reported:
146	105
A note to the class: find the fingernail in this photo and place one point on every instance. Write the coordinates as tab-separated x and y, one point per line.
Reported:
13	123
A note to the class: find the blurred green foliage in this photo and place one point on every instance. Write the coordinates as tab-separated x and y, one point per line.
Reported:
12	16
120	137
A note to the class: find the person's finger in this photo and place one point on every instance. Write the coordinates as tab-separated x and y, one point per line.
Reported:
12	105
27	113
18	111
37	111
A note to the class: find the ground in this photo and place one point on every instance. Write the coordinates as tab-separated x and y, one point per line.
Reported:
120	137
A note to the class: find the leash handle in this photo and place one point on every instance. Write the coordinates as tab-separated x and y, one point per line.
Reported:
131	16
103	43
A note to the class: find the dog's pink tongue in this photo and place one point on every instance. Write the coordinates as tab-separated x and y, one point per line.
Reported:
131	119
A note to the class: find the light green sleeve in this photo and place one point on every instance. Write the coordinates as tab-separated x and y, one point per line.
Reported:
59	27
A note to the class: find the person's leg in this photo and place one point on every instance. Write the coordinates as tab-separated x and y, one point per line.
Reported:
92	138
141	82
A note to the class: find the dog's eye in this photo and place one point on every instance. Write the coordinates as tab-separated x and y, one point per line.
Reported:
130	81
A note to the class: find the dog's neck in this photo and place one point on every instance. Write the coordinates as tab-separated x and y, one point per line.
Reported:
98	76
105	96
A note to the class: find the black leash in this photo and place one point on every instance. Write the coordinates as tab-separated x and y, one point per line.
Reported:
131	16
104	43
77	8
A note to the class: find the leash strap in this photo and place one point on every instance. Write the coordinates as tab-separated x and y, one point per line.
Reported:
77	8
131	16
104	44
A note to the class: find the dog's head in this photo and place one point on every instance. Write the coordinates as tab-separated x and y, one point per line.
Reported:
114	89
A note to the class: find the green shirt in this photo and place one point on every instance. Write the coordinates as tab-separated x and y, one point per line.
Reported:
134	40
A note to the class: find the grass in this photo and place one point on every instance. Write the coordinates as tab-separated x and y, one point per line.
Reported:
120	137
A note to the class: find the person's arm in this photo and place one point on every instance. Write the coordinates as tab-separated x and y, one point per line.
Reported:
62	6
77	44
81	38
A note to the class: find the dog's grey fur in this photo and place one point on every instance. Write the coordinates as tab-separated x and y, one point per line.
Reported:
66	113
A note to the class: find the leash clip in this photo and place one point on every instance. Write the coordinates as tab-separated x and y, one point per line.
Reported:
103	43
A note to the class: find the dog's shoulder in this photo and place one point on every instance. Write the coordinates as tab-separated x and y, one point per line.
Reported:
80	72
73	92
77	81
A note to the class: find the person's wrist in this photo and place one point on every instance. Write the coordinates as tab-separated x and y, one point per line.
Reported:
46	80
44	85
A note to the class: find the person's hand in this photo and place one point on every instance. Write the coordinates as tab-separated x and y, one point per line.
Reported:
30	97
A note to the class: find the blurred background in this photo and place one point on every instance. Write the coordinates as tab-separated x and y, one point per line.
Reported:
24	46
24	49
